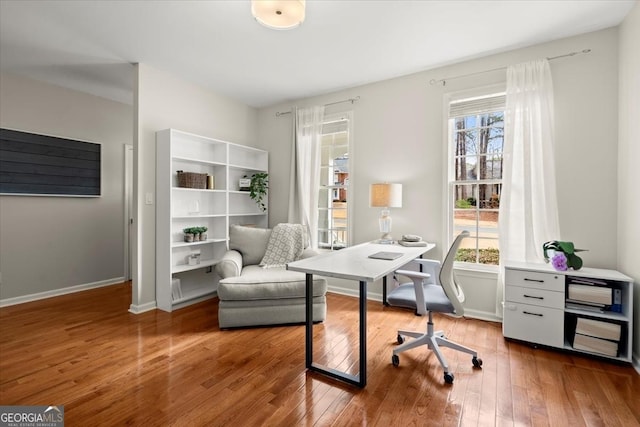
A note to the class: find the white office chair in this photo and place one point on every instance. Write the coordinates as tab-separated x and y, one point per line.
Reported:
433	290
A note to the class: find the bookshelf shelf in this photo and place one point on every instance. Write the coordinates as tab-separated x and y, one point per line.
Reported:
537	309
605	315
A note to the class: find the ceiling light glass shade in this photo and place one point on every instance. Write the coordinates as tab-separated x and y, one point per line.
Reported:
278	14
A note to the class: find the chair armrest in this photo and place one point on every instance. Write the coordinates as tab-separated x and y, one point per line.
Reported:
430	274
411	274
431	267
418	278
230	265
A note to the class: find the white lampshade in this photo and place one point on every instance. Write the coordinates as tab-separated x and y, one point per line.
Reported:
385	195
278	14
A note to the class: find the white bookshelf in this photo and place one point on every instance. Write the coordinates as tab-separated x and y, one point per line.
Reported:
178	208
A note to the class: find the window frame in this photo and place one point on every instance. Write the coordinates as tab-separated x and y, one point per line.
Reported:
449	181
333	118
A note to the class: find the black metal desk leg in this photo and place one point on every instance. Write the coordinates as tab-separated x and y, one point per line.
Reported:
384	291
309	320
360	379
363	334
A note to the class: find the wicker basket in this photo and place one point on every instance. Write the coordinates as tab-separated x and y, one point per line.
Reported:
192	180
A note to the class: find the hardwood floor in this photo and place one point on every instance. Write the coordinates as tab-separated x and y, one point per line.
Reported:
109	367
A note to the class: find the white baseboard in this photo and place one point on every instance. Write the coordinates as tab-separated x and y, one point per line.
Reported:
138	309
635	359
371	296
482	315
354	293
57	292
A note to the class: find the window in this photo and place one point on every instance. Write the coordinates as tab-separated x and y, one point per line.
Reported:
476	135
334	197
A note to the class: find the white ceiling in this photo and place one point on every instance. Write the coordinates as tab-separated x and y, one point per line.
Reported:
89	45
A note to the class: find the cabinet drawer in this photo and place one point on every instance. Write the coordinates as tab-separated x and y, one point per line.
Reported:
534	296
534	324
534	279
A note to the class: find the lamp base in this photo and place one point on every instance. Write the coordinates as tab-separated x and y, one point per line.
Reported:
385	227
386	239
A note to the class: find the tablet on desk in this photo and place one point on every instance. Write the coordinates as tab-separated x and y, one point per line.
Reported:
386	255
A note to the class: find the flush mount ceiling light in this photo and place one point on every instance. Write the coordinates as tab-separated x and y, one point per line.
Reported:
278	14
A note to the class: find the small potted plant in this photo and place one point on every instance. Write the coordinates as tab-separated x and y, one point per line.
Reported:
258	188
562	255
197	234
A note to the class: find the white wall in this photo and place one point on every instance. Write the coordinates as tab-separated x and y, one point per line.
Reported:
398	133
48	244
629	161
163	101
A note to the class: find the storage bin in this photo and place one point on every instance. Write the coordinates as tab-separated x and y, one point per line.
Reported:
192	179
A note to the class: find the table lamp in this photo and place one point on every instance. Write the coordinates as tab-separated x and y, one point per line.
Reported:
385	196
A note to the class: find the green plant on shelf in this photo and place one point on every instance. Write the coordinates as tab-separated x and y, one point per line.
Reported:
195	234
258	188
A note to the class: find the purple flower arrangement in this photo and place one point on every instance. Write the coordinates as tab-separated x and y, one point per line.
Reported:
559	261
562	255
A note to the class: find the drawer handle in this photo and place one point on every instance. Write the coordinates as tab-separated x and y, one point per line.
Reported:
533	280
532	314
533	296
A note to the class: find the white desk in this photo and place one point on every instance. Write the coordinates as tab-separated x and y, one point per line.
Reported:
352	263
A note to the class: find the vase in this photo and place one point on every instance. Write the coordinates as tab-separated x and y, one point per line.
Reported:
188	237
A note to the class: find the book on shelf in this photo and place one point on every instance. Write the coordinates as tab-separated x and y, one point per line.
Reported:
598	328
587	303
595	345
617	301
578	305
176	289
590	294
587	281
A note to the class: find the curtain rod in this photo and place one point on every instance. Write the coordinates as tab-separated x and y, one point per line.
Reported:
444	81
351	100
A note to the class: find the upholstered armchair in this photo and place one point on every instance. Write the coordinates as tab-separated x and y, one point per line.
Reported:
256	288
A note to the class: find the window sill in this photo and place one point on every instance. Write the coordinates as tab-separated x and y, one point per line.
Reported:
476	269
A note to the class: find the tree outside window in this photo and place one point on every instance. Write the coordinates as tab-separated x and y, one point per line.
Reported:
476	142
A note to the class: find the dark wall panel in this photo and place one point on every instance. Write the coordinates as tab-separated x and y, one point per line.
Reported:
46	165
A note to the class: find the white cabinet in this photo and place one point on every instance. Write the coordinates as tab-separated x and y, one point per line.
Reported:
538	309
215	208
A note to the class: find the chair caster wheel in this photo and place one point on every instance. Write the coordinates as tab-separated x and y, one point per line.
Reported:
477	362
400	339
448	378
395	360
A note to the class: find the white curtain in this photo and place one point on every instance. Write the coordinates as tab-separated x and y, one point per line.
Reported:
305	170
528	203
